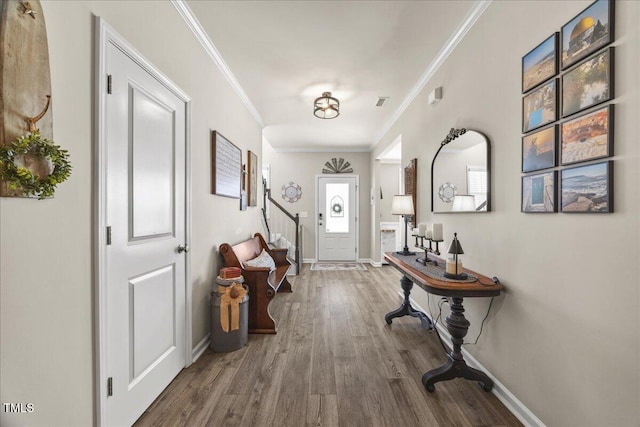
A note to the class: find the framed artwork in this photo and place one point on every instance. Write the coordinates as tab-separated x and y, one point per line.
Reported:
539	149
226	167
539	192
588	83
587	137
540	64
411	186
539	106
588	188
252	178
590	30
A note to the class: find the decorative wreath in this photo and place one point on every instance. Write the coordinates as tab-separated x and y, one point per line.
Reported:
337	208
21	178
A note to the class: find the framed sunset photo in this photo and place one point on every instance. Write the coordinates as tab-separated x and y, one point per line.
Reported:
540	64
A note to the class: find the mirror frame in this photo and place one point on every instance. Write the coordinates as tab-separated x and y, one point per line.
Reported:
454	134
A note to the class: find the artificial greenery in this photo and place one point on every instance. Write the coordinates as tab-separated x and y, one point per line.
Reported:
19	178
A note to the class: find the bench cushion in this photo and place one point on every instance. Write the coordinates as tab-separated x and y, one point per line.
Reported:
262	260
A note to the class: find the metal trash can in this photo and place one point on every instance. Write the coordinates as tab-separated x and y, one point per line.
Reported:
221	341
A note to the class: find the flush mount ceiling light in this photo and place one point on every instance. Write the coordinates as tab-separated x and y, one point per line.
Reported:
326	107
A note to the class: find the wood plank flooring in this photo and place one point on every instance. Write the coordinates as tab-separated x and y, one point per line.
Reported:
334	362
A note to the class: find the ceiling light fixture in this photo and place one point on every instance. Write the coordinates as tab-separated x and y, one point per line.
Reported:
326	107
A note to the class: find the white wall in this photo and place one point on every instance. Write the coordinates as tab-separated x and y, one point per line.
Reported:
389	182
302	168
46	246
565	336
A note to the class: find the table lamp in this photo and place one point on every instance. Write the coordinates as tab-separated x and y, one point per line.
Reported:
403	205
454	268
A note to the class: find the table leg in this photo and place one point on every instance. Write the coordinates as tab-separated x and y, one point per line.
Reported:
456	367
406	309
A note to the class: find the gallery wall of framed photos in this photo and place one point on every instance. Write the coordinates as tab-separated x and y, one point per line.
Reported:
568	116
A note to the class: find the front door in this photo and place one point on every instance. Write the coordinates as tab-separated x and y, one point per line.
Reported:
337	218
145	138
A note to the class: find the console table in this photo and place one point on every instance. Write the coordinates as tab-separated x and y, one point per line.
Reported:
457	324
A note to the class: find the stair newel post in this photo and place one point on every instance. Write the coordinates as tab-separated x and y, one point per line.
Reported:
297	221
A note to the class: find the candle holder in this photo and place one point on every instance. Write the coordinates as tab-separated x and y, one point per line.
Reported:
427	249
456	249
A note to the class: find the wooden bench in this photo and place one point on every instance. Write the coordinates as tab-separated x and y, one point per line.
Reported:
262	283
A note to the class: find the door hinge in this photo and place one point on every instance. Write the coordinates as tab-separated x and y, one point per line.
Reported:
110	386
109	83
108	235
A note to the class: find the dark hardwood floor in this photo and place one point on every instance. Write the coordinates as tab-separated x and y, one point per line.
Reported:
334	362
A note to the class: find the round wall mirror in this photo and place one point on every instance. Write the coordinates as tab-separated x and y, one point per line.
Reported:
460	173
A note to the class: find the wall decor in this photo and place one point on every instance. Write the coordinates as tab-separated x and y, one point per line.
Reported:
587	137
252	178
539	149
539	106
539	192
411	187
291	192
540	64
337	166
588	84
447	192
226	167
587	188
24	68
590	30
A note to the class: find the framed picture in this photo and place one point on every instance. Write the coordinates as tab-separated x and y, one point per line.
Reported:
540	64
539	149
252	190
539	106
226	167
539	192
588	188
587	137
588	83
590	30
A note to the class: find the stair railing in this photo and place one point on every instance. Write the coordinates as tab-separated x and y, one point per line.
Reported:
295	218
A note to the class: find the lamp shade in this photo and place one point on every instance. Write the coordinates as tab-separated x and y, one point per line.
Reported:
456	247
402	205
464	203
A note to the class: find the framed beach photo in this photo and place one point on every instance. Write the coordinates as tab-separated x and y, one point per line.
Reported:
539	192
588	188
539	107
588	83
590	30
540	64
539	149
587	137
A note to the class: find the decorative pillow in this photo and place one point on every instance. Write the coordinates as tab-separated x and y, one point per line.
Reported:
262	260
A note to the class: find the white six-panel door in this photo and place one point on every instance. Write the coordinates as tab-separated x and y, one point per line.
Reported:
337	218
145	135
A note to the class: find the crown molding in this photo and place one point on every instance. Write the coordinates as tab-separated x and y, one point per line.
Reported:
185	12
322	149
471	18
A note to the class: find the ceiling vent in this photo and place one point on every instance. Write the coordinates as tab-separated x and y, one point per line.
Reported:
381	101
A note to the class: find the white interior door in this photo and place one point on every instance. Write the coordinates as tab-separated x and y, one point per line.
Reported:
145	135
337	218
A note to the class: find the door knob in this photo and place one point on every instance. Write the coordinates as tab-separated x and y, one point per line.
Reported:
183	248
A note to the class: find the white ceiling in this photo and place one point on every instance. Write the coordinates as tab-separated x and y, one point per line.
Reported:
284	54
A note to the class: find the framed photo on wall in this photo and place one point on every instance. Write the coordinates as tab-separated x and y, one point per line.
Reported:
539	107
539	192
590	30
252	190
588	83
588	188
226	167
587	137
539	149
540	64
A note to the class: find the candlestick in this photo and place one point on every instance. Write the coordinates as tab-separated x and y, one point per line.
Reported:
422	228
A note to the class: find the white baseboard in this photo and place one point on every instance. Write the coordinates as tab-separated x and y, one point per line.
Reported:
308	260
200	348
370	261
503	394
